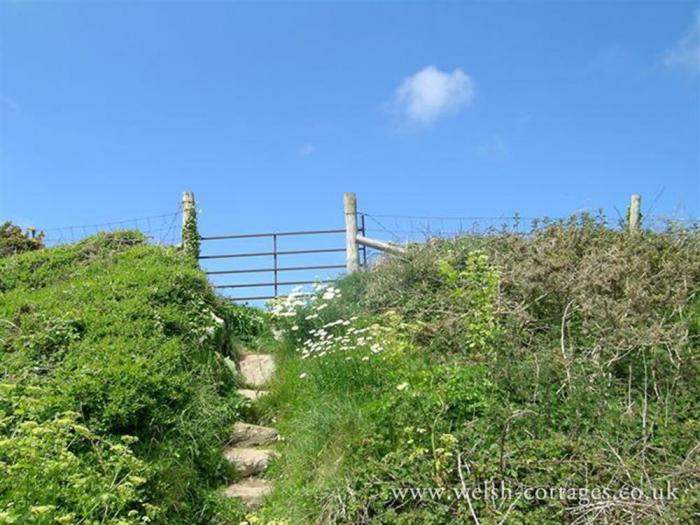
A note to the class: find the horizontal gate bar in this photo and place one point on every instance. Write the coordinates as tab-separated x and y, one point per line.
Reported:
279	234
262	297
256	285
261	254
381	245
255	297
285	269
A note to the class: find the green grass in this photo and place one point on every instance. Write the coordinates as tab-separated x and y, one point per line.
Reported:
114	399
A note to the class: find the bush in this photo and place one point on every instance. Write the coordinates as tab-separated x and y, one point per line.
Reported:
125	401
13	240
56	470
564	358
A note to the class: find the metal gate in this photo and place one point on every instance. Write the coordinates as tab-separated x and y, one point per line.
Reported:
278	261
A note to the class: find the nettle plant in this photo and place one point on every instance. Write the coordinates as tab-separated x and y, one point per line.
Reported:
314	324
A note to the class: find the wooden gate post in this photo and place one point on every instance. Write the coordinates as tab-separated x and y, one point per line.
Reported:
190	235
352	255
634	218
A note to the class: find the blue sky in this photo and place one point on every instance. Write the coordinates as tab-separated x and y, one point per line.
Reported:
269	111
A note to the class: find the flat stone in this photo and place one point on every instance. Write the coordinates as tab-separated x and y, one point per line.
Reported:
251	491
252	395
247	435
249	461
257	369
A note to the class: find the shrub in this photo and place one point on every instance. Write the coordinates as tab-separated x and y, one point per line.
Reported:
13	240
57	470
564	358
119	348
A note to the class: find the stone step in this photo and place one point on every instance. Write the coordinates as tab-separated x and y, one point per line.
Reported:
249	461
247	435
251	491
257	369
252	395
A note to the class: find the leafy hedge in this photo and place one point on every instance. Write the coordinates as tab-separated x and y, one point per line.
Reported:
114	400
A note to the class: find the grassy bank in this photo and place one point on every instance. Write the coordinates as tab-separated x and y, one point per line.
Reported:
114	398
567	359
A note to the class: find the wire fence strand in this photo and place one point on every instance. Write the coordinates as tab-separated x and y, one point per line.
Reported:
421	228
159	229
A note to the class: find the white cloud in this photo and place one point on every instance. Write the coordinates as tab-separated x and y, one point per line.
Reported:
431	94
686	53
306	150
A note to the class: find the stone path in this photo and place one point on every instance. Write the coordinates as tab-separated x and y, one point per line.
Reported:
249	450
257	369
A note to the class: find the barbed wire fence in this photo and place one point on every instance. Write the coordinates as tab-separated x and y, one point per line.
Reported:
163	229
419	228
407	229
381	232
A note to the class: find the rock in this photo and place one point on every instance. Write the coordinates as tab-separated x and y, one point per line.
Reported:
251	491
257	369
253	395
247	435
249	461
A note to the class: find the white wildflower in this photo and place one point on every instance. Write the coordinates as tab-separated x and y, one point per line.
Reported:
375	348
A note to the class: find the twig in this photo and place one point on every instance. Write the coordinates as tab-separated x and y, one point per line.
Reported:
563	343
512	505
465	489
506	427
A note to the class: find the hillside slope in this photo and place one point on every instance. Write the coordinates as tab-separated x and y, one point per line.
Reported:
559	369
114	398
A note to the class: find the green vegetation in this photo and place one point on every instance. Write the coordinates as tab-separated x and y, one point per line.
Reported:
567	358
114	396
13	240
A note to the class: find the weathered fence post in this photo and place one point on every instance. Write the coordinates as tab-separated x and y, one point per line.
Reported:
352	255
635	216
190	235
